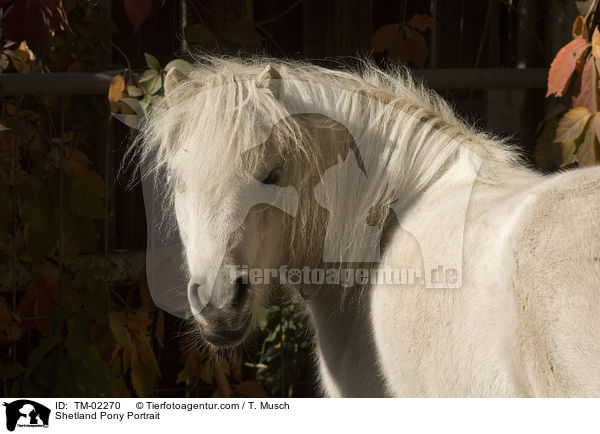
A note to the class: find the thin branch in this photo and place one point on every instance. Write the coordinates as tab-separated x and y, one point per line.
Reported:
591	11
124	56
529	23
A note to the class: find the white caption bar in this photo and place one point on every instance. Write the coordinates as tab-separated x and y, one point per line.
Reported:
162	415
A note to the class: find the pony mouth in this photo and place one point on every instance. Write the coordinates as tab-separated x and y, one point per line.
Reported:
227	338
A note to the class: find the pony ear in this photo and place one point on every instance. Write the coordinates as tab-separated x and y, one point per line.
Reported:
270	79
173	78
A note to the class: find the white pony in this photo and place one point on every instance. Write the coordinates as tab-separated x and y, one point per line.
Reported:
288	175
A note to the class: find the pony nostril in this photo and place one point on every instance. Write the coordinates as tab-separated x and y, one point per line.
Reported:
240	295
194	297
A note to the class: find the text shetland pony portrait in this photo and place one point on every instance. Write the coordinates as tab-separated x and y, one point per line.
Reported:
523	321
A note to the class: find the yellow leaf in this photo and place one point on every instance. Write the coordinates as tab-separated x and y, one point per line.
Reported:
115	92
117	327
146	354
568	153
139	322
572	124
143	376
596	43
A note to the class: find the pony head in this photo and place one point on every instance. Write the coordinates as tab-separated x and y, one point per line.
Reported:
242	177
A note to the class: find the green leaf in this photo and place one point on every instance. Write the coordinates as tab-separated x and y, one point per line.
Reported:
151	61
150	81
134	91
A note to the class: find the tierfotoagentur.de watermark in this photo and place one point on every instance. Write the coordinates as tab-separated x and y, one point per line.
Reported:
346	277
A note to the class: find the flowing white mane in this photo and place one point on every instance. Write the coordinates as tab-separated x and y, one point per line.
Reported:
406	133
220	107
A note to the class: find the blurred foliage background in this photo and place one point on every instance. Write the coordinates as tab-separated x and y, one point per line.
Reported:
76	315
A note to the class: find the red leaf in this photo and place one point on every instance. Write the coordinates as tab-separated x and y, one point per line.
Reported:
572	124
588	89
564	65
137	12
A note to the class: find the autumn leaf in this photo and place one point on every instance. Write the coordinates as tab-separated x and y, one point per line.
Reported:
118	329
115	92
587	95
596	43
139	322
143	375
579	29
137	11
564	65
146	354
422	22
572	124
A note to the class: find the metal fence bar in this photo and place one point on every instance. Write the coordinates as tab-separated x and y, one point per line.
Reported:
98	83
61	83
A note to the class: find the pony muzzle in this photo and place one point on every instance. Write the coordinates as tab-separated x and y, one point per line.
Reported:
222	312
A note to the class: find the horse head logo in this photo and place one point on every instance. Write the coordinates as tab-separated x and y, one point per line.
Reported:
26	413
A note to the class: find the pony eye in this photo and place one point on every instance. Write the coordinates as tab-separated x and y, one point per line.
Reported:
272	177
